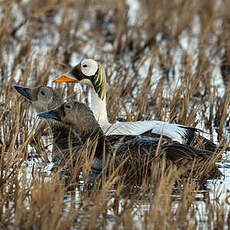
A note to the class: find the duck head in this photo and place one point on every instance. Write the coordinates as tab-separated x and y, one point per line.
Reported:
87	72
76	115
42	98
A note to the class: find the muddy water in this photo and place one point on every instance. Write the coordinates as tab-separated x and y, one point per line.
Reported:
49	37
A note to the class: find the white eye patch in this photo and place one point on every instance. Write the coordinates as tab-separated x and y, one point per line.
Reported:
89	67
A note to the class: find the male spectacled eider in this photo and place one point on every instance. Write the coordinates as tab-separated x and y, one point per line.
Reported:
92	73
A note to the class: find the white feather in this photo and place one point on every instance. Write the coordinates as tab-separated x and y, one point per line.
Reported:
174	131
89	67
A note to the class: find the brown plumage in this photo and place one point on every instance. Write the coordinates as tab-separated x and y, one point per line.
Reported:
136	154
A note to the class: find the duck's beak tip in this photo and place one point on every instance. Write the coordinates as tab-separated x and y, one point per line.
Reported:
16	87
49	115
64	78
23	91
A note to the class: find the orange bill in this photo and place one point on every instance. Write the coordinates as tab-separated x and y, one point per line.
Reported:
64	78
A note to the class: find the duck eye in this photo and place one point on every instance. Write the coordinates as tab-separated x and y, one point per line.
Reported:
84	65
68	106
42	92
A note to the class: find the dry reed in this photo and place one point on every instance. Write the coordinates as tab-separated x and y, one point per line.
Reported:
152	74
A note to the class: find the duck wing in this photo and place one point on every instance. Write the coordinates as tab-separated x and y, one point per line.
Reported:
173	131
147	145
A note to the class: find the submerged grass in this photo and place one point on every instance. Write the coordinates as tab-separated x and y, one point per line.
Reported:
160	64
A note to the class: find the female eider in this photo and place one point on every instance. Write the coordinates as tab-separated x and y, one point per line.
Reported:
134	153
44	98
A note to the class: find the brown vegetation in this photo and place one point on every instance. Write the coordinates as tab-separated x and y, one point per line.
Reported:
41	39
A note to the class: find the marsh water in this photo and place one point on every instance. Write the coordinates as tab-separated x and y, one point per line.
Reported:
45	34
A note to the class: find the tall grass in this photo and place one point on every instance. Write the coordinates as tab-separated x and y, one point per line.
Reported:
160	67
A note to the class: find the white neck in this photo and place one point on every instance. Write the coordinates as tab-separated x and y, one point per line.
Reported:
98	106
